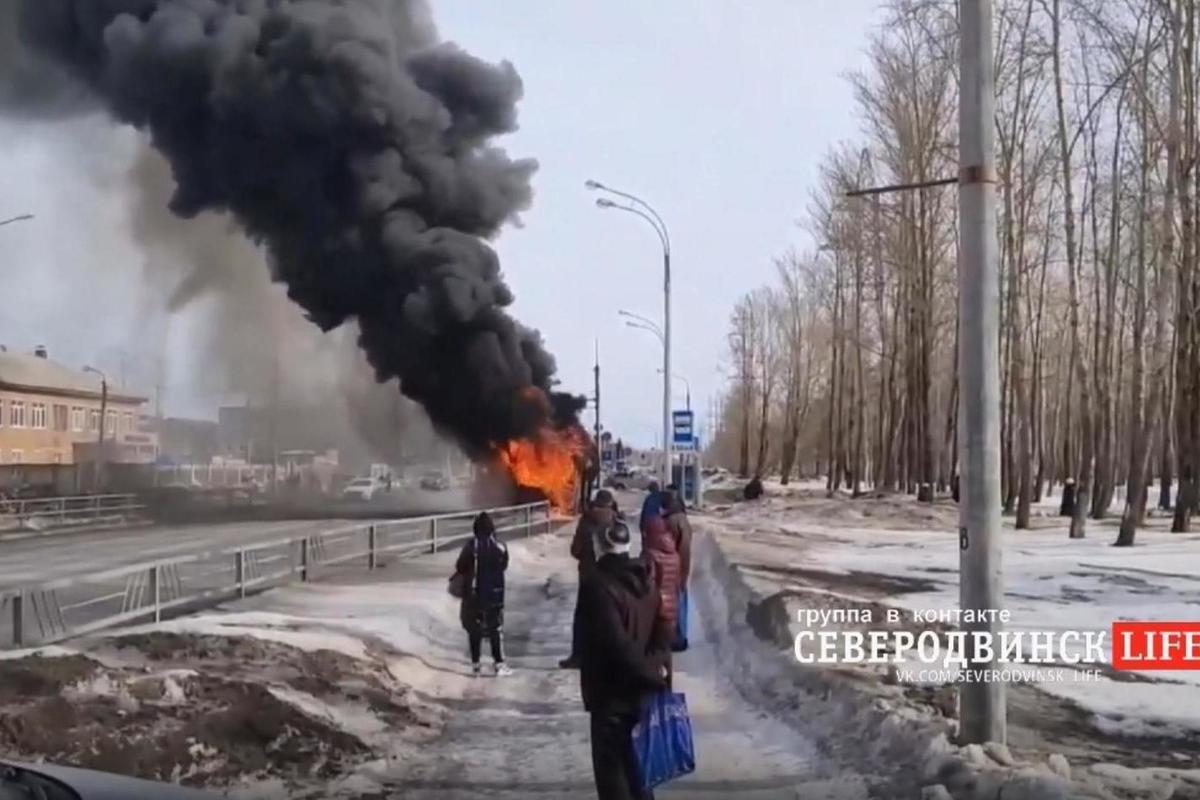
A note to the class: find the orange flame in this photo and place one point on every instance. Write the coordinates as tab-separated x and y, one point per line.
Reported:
549	462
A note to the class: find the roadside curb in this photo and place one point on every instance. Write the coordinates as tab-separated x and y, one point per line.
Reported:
24	534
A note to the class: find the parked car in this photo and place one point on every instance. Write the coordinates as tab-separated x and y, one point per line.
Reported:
631	479
362	489
52	782
716	474
435	482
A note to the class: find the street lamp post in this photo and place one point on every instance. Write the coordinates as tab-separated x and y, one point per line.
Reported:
101	444
643	209
643	324
687	386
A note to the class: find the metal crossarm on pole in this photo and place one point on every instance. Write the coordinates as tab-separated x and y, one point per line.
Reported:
901	187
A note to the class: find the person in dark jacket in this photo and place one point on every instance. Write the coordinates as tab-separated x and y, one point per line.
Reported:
483	561
680	529
601	513
652	505
754	489
623	659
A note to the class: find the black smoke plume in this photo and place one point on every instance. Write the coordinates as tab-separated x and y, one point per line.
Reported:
356	148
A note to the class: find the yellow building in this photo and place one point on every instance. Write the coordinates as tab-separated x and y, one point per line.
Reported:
50	414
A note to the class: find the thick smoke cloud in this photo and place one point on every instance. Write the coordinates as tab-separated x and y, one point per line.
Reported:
32	85
355	148
253	343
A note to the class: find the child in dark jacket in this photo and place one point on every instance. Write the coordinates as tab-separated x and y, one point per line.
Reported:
482	562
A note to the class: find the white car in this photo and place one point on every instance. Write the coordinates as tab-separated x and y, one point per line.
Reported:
362	489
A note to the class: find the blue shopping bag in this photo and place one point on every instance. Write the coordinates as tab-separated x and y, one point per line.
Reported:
662	740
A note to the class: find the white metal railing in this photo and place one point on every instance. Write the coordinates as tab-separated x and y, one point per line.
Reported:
79	604
68	511
217	476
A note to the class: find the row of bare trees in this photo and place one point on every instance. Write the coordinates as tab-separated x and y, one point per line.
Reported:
846	365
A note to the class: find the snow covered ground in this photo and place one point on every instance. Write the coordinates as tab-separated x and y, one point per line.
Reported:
364	691
806	550
358	686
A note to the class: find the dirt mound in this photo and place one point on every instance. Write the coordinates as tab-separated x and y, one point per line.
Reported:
36	676
203	710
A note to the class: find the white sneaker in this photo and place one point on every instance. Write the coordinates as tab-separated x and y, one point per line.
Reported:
503	670
475	668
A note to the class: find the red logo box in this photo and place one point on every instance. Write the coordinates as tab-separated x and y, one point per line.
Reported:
1156	645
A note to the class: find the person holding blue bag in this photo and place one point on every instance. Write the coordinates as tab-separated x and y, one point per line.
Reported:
624	652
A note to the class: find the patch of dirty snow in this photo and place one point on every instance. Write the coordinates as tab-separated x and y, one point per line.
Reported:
356	721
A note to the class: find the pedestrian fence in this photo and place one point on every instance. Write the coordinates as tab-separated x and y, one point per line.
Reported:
74	605
92	511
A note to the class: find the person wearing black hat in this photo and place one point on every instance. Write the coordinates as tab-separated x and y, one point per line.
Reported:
624	652
601	513
482	562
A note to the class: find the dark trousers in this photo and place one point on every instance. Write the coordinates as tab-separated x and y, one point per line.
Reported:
614	762
575	626
488	622
496	640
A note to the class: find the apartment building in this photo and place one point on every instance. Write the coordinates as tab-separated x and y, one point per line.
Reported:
50	414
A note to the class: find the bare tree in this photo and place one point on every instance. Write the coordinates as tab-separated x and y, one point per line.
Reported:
742	343
765	308
793	322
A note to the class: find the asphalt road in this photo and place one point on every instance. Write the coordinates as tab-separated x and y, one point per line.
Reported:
49	557
91	597
57	555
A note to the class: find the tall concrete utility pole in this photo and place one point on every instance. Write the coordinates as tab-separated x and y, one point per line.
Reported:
668	433
599	444
101	443
982	713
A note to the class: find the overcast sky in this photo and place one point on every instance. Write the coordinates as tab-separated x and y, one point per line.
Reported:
716	112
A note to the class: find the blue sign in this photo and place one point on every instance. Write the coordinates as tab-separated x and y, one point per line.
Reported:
684	433
608	455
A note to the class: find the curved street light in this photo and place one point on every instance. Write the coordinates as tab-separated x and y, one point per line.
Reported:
687	384
657	220
650	328
644	321
21	218
644	210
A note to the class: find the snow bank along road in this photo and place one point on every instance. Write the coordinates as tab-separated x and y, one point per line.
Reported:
360	687
1118	734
